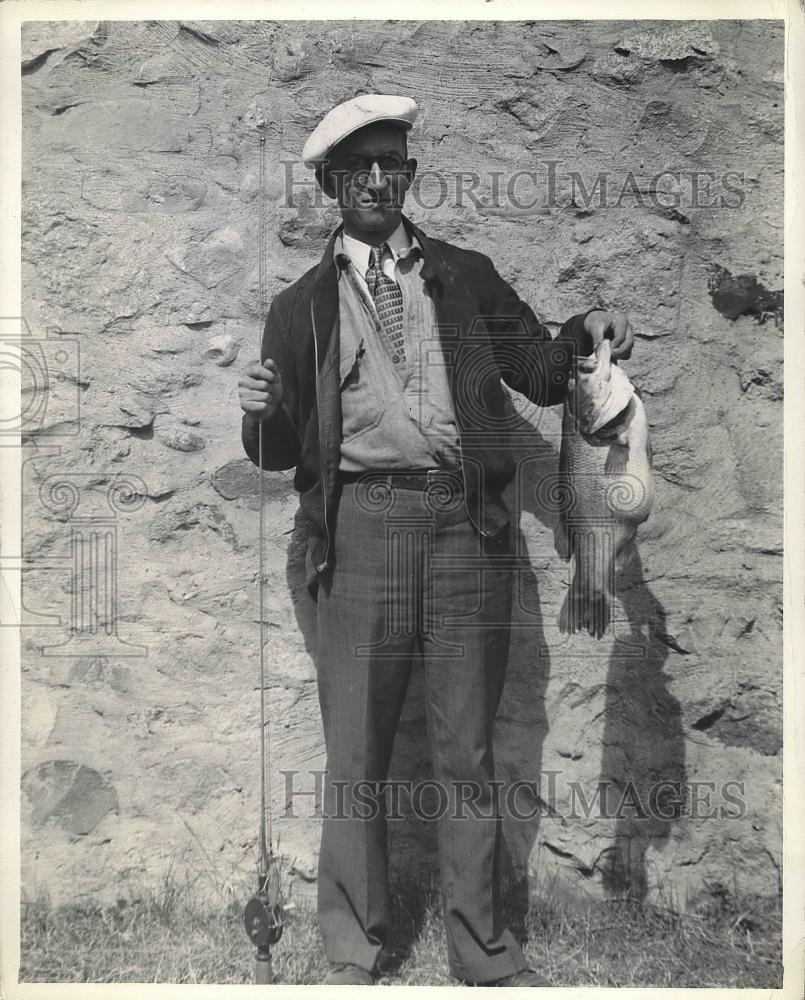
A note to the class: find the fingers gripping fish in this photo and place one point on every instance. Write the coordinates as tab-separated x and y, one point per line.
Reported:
605	485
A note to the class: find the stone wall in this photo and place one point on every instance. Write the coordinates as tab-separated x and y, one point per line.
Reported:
141	270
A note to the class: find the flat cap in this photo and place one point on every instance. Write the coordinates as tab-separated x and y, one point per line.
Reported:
346	118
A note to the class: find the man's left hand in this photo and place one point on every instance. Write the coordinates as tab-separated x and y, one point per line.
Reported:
615	327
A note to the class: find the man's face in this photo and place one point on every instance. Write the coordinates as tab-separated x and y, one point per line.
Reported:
370	174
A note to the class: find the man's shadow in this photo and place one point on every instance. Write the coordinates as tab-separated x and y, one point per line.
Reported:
642	741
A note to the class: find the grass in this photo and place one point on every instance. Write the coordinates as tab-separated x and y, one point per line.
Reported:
162	935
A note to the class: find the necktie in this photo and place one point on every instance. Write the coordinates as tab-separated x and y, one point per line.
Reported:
389	304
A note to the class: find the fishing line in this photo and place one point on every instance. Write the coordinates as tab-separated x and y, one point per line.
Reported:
265	839
263	913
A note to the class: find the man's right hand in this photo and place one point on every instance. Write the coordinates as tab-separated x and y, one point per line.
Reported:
260	390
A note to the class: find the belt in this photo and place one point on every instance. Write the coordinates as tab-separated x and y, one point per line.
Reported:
407	479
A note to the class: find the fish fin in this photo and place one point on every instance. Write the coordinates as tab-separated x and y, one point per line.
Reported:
568	613
617	459
561	540
564	616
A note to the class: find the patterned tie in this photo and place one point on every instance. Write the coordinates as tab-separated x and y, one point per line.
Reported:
389	304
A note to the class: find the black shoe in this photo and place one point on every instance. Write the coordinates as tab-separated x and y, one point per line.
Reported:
527	977
346	974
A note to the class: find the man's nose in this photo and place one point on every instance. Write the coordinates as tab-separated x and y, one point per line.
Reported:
376	178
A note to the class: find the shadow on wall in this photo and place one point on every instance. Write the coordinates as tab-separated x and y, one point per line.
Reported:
643	751
642	741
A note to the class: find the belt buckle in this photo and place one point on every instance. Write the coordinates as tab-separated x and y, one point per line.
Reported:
432	475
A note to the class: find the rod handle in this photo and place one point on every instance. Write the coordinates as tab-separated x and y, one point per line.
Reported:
262	967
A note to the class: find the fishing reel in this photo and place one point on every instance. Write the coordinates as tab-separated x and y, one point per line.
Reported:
263	920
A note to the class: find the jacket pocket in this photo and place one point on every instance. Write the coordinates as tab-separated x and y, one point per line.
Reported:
361	407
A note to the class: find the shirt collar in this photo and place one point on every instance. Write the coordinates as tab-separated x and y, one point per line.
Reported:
400	244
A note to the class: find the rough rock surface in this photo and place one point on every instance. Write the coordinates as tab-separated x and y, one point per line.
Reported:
141	231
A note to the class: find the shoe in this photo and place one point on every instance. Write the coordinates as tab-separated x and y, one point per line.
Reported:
527	977
347	974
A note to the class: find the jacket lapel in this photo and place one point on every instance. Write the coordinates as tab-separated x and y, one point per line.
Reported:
324	303
439	284
434	262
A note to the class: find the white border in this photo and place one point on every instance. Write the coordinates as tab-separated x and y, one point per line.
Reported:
12	13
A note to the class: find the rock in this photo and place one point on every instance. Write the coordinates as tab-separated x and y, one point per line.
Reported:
180	440
42	40
290	63
111	190
303	229
164	67
172	194
134	414
223	350
212	260
621	69
237	479
165	339
99	670
175	522
241	479
752	718
123	125
77	797
569	57
742	294
670	42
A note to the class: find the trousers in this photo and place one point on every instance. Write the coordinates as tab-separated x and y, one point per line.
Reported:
412	581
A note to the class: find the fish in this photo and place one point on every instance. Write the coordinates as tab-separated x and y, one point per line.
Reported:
605	486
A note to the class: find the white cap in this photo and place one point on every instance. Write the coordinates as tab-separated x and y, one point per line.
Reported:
346	118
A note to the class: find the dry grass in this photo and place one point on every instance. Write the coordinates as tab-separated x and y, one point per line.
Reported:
161	935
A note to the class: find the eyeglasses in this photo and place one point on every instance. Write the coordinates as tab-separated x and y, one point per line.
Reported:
361	166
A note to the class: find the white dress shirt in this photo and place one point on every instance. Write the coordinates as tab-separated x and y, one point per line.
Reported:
399	243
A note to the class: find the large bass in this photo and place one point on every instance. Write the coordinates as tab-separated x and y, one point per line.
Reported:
606	489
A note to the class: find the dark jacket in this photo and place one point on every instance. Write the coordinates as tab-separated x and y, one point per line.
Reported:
487	334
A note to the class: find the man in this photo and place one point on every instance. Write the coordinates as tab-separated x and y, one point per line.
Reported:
380	381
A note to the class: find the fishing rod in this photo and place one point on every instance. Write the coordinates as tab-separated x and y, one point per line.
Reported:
263	913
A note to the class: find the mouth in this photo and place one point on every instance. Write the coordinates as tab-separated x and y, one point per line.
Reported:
367	202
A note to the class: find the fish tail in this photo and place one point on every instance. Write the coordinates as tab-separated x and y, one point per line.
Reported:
597	615
587	605
585	610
